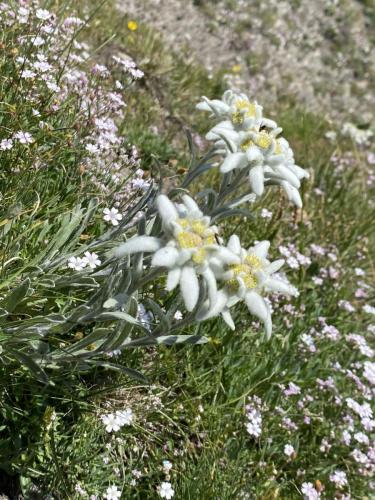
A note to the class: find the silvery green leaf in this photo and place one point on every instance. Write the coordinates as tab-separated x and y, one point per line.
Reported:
118	315
230	212
16	296
123	329
167	340
29	363
191	147
211	196
77	281
97	335
46	282
251	197
158	313
196	173
135	374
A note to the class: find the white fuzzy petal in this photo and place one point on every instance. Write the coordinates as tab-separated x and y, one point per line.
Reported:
203	106
269	123
232	301
165	257
166	208
275	285
268	326
259	308
275	160
300	172
138	244
275	266
256	305
288	175
189	286
232	161
292	194
184	255
209	312
226	256
191	205
211	285
253	155
261	249
173	279
234	244
256	177
228	319
214	105
223	131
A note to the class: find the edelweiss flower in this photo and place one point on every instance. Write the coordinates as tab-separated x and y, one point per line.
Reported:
268	159
186	249
246	280
236	107
249	141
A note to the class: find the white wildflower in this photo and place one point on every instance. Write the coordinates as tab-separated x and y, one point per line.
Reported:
359	136
369	371
23	137
339	478
369	309
112	493
166	490
361	437
309	492
112	422
92	259
125	417
77	263
6	144
265	214
167	466
112	215
178	315
289	450
43	14
27	73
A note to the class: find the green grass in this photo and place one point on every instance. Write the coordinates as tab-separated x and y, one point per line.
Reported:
193	410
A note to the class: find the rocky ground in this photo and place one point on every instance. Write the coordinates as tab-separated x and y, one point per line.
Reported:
321	52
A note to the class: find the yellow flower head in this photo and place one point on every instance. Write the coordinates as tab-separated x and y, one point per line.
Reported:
246	271
195	235
244	109
236	68
132	25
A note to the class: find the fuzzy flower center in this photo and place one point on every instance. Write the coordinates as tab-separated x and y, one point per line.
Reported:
263	140
244	109
244	271
195	235
246	144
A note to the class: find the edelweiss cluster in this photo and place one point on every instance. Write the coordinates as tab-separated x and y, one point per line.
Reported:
191	250
250	141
